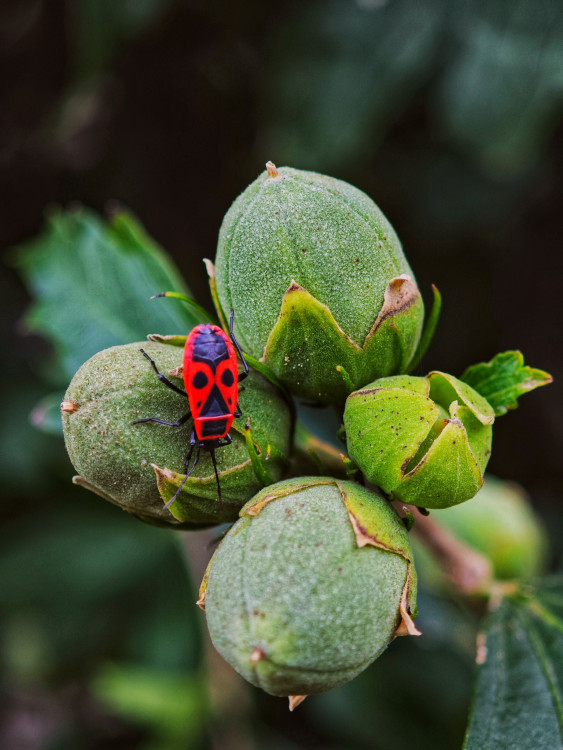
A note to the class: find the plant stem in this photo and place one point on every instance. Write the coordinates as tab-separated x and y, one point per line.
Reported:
468	571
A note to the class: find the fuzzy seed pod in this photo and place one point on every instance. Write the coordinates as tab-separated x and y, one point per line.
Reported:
319	281
310	586
139	466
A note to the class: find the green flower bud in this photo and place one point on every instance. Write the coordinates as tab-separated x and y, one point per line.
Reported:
310	586
424	440
500	522
140	466
318	279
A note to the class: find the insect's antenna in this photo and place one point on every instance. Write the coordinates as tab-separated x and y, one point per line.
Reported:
212	452
235	342
169	503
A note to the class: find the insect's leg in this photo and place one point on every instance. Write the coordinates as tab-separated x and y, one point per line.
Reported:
237	412
214	460
192	445
241	355
169	503
228	440
161	377
179	423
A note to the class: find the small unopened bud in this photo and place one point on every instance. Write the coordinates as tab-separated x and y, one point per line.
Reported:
425	441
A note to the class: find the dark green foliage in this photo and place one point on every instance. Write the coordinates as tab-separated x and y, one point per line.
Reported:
87	591
92	282
519	696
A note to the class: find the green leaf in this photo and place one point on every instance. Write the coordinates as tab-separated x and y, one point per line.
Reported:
173	706
518	701
504	379
31	460
92	581
92	282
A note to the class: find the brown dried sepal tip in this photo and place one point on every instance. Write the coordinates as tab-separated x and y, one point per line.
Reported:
363	538
256	656
407	625
400	294
272	169
69	407
295	700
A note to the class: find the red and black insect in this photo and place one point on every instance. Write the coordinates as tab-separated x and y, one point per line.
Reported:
211	378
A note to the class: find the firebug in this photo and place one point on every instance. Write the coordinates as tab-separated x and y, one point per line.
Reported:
212	380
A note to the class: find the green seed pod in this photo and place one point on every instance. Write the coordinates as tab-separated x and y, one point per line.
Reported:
310	586
424	440
139	467
500	522
319	280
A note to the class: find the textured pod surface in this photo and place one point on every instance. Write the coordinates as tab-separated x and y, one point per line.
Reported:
316	274
122	462
426	441
310	586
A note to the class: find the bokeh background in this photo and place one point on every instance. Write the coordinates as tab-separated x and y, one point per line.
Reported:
449	114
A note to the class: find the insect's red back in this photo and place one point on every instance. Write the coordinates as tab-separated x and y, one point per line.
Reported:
211	380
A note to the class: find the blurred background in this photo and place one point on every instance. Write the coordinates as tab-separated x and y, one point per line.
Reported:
448	113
